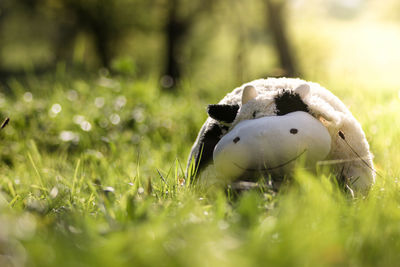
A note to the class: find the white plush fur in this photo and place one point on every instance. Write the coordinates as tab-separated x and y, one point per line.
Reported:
323	105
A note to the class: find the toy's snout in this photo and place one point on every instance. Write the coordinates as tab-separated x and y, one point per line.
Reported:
271	144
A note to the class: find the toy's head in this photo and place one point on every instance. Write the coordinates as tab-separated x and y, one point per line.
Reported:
271	144
269	125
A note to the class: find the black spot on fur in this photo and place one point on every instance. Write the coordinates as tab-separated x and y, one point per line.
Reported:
288	101
222	112
341	134
207	143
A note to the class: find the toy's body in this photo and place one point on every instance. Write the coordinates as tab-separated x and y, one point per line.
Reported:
267	109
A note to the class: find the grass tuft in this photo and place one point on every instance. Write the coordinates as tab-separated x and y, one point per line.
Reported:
91	174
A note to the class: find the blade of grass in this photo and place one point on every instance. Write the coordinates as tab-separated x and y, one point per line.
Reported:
38	175
75	178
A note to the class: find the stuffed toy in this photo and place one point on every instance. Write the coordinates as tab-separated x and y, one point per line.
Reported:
267	126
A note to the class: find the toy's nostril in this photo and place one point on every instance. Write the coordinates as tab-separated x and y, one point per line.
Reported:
237	139
294	131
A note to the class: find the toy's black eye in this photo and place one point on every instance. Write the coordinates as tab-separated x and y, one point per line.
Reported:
294	131
237	139
254	114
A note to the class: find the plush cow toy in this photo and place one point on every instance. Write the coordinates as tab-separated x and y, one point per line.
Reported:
268	125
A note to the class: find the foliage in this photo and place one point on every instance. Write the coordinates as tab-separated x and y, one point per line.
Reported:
161	37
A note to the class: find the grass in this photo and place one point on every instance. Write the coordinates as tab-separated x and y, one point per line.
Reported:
81	163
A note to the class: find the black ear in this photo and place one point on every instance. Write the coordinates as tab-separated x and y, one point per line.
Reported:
289	101
222	112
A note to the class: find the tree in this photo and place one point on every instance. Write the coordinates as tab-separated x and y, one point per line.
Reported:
275	10
180	19
100	19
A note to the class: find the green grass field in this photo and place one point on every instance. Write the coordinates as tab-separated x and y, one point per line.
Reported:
79	184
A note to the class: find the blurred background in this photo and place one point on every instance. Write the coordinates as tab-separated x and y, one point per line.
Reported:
106	97
207	43
106	75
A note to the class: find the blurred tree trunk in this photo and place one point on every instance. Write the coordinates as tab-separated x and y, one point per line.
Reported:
275	9
176	30
100	19
3	13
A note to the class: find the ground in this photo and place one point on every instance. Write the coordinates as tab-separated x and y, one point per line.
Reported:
91	174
